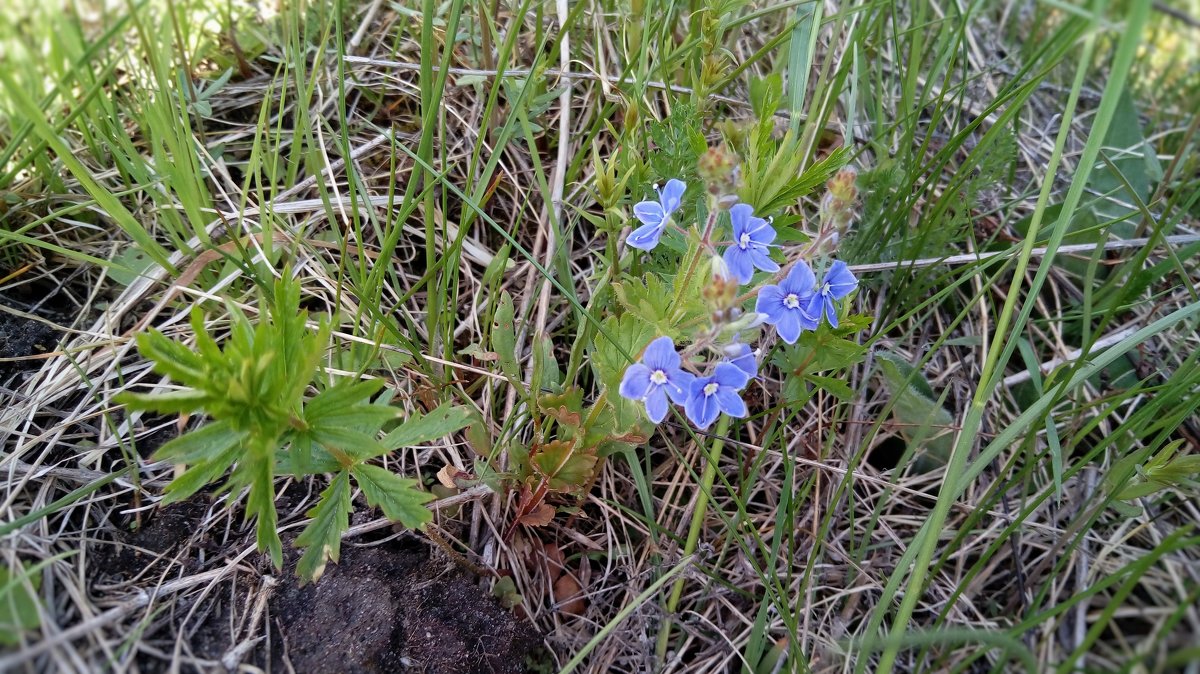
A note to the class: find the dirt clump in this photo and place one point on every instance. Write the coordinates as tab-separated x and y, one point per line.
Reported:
386	609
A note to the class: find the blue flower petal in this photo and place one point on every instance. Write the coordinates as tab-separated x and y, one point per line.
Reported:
679	385
739	217
730	375
636	382
830	311
656	405
840	280
770	303
800	280
645	237
731	403
759	258
660	355
649	212
742	356
672	195
701	409
738	261
788	326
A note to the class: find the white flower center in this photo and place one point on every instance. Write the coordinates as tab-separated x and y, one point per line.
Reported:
825	289
744	241
658	377
792	301
710	388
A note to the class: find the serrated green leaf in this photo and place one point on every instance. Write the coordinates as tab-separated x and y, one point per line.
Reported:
504	337
322	538
172	358
398	497
632	334
206	442
437	424
353	443
258	466
565	407
18	606
835	387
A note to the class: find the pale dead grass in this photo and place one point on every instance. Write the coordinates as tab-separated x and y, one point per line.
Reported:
60	432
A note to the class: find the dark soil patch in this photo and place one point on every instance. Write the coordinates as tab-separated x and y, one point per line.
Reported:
21	337
388	609
162	537
383	608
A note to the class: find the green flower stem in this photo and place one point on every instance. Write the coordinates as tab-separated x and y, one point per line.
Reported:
693	538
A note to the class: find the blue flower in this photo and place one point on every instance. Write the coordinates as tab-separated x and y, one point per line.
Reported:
751	241
709	396
839	281
655	215
741	355
655	378
786	305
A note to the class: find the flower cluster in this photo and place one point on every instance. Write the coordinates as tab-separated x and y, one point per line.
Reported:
796	303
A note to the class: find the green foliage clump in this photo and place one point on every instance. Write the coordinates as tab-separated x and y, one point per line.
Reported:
255	388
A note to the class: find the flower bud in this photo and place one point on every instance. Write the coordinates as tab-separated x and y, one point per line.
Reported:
721	291
719	170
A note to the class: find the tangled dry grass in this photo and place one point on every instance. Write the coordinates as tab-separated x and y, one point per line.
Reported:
192	594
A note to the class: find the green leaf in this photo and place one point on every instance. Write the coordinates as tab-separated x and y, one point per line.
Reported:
340	396
1132	164
18	606
924	422
354	443
205	442
172	358
437	424
766	93
258	468
632	334
399	498
563	464
504	337
322	538
186	401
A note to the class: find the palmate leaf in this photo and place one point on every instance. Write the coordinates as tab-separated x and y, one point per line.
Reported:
322	538
398	497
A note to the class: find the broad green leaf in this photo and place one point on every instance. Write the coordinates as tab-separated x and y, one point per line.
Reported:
632	335
18	606
398	497
437	424
504	337
565	407
564	465
1132	164
322	538
924	422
